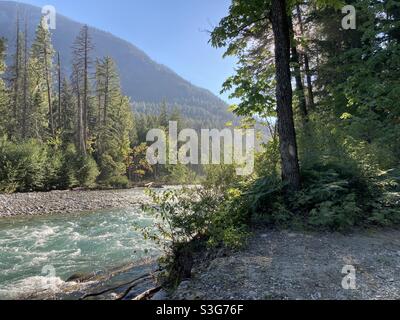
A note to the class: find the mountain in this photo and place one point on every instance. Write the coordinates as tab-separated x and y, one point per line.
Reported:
145	81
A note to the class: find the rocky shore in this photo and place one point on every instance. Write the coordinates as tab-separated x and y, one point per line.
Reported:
68	202
291	266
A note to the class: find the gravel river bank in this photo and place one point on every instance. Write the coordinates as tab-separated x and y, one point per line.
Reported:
67	202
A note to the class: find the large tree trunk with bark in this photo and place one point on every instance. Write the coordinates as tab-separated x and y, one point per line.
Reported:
284	96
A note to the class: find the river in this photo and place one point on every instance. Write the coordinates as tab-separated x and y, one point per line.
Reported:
40	253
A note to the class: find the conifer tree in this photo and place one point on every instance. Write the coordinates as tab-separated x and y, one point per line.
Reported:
4	96
42	55
82	62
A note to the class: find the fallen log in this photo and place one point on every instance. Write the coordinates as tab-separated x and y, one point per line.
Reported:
96	294
148	294
127	291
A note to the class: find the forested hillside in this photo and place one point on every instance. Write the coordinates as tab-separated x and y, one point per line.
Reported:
146	82
61	131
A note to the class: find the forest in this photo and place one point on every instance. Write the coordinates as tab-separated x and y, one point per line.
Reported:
61	131
331	81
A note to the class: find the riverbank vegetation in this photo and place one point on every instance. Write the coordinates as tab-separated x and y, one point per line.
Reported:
333	163
337	125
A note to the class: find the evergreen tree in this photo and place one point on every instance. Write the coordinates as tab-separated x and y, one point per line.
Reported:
4	96
114	122
68	113
82	62
163	118
42	65
16	79
108	87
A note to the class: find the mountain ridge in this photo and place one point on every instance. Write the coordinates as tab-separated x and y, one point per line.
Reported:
142	78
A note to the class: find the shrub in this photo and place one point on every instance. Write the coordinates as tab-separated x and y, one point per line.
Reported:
180	174
333	197
109	168
22	166
189	219
119	182
386	208
87	172
68	177
53	169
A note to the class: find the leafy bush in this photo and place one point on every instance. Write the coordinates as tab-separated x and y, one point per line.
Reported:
180	174
119	182
68	176
109	168
22	166
77	171
386	208
87	172
333	197
53	170
190	218
220	177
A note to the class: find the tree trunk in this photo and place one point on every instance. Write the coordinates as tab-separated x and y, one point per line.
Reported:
306	64
48	86
106	91
59	89
298	77
284	96
17	78
80	135
25	85
85	90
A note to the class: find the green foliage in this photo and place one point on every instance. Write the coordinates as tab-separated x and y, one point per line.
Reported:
180	174
53	169
219	177
34	166
4	95
138	164
87	172
189	218
118	182
23	167
333	197
109	167
49	124
68	172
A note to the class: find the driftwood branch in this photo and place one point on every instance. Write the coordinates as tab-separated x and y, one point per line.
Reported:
145	276
148	294
121	297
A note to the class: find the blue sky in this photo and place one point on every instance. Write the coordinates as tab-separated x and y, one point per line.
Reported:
172	32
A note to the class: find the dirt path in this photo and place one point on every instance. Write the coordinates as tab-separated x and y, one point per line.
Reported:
285	265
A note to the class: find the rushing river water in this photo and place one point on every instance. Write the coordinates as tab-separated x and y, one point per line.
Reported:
40	253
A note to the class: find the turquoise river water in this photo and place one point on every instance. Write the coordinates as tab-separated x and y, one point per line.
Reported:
40	253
